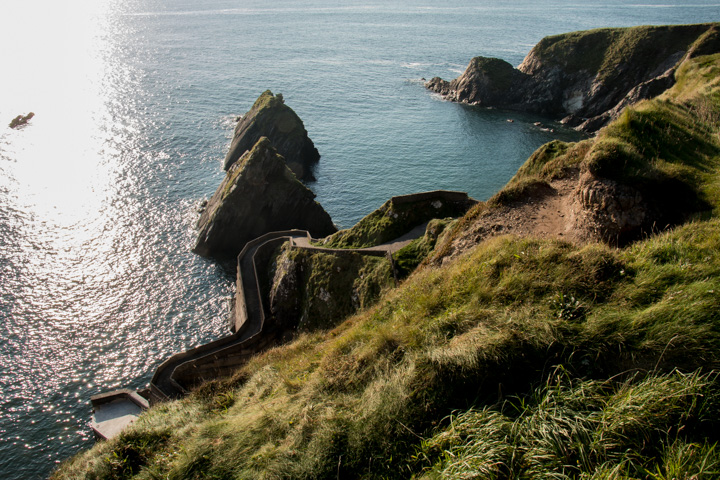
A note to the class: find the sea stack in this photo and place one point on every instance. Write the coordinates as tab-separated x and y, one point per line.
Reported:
259	194
270	117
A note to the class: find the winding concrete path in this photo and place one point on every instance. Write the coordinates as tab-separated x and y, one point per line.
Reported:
163	386
389	247
246	341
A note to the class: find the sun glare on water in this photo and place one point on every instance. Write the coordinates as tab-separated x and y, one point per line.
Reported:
55	66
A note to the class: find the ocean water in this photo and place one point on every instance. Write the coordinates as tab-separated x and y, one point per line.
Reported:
135	102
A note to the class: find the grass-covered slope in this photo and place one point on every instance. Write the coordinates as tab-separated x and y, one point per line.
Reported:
609	52
398	216
523	358
363	398
572	428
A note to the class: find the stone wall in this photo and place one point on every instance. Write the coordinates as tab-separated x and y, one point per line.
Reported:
448	195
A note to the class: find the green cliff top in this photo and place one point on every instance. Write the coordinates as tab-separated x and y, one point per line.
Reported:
267	100
392	220
609	51
668	146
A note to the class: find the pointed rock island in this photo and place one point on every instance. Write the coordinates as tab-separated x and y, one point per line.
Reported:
259	194
270	117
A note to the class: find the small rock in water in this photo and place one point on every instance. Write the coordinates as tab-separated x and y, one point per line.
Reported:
21	120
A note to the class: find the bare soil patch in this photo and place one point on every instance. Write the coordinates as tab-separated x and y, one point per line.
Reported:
550	214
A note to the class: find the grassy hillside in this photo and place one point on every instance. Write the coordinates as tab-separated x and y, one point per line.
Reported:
393	220
524	358
606	52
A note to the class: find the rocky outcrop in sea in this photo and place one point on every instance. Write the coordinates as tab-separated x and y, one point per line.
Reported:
585	78
259	194
21	120
270	117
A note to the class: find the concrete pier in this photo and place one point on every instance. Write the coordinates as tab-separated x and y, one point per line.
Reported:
113	411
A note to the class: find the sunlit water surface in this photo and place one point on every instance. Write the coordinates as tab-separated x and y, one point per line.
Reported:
135	103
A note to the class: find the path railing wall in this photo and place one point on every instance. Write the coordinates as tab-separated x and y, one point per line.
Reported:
222	357
249	317
448	195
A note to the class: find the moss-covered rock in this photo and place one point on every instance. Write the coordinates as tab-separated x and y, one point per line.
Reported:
398	216
270	117
314	290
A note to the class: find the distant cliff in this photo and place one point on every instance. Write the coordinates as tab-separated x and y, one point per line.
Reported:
585	78
651	169
270	117
258	195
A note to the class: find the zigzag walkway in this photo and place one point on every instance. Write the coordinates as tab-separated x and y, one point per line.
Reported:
221	357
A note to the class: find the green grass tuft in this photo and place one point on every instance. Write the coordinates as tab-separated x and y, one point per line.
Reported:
638	428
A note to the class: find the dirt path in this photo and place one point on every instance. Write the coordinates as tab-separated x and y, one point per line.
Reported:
391	246
551	214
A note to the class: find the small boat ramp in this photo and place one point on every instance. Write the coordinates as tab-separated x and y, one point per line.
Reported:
113	411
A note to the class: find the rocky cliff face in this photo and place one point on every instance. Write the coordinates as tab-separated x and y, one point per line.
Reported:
270	117
586	78
486	81
258	195
313	290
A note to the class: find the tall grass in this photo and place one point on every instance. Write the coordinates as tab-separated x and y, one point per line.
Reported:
360	399
644	427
